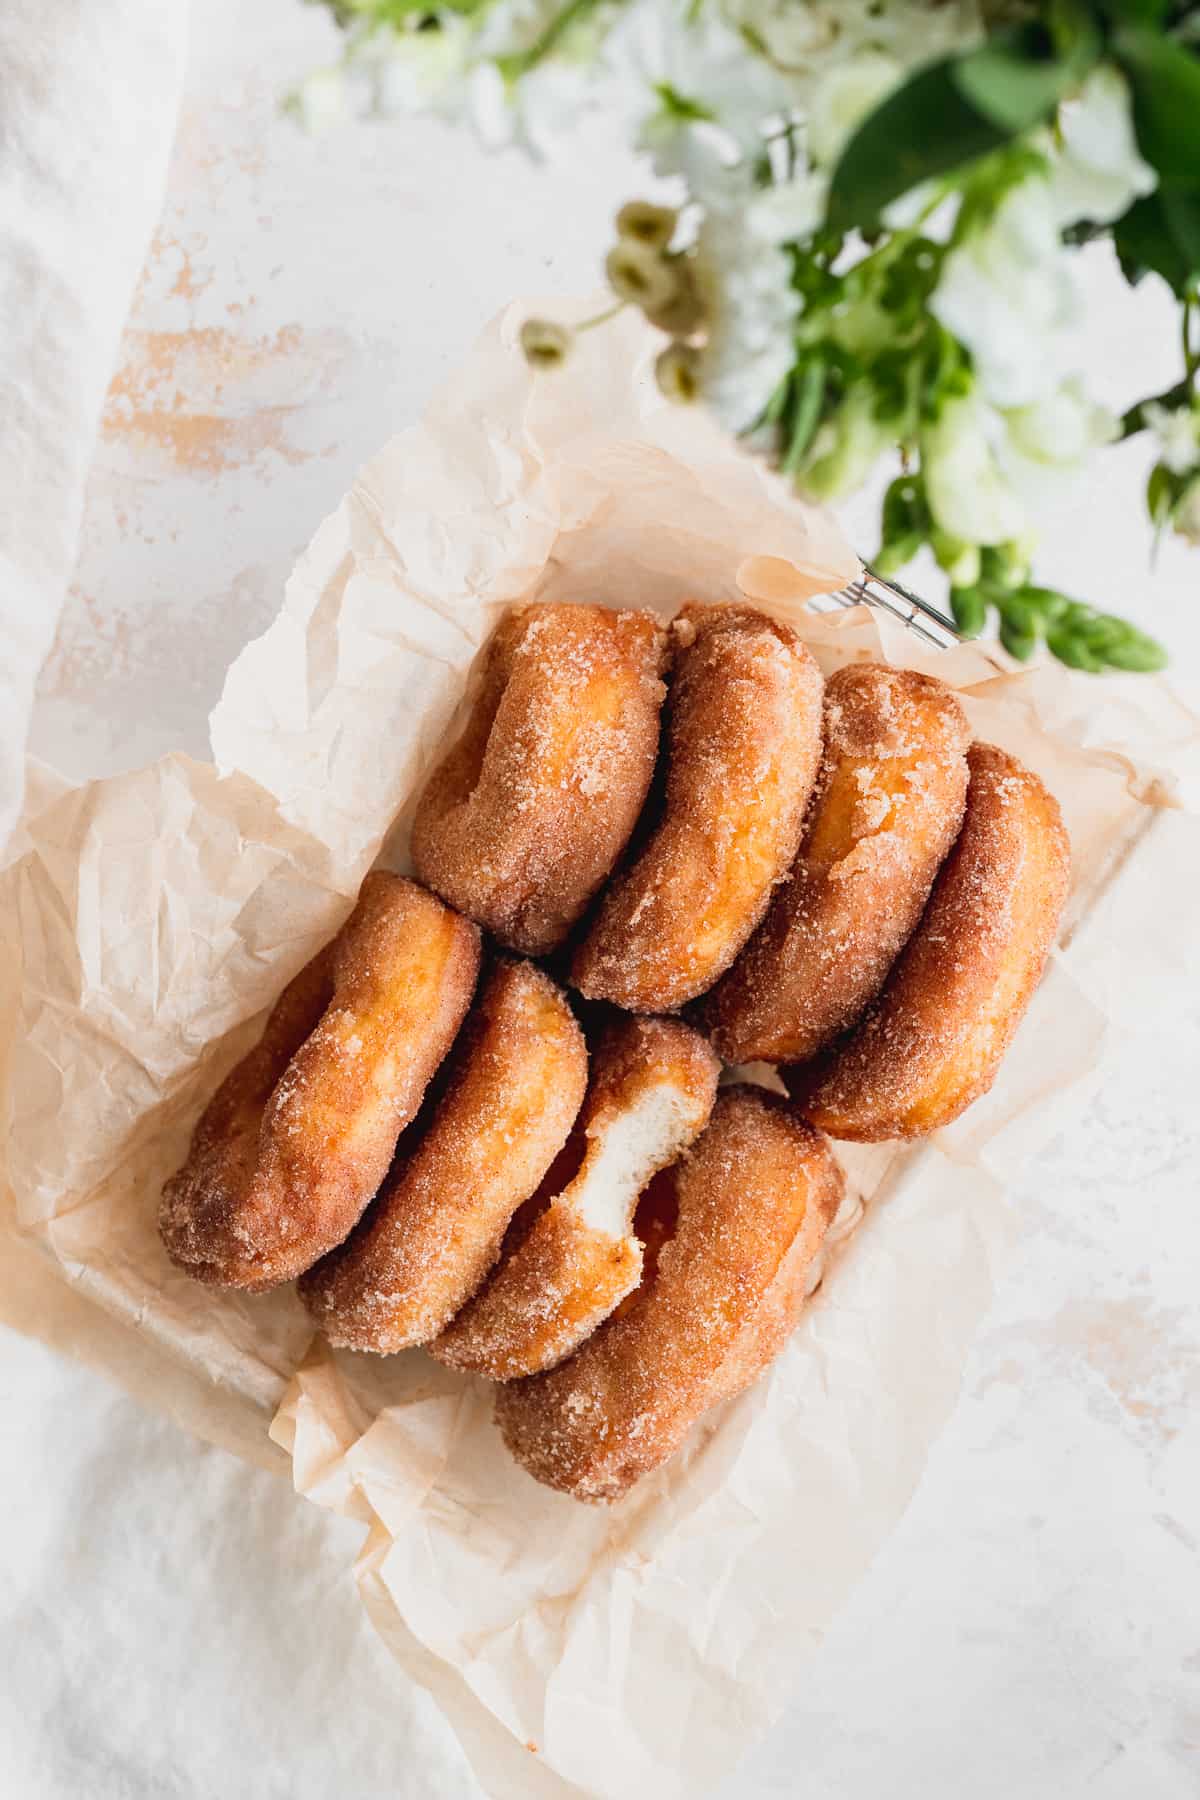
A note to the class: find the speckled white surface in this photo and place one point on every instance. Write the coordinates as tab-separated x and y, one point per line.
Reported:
1033	1628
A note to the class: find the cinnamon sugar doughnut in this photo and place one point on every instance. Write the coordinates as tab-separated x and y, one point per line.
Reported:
299	1135
516	1082
744	740
525	817
935	1038
755	1194
653	1082
887	806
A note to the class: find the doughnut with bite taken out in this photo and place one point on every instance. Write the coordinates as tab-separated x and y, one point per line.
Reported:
653	1082
755	1194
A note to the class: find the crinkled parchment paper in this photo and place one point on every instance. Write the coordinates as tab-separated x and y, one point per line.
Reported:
150	918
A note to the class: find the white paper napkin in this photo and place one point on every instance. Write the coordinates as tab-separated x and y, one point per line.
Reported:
89	91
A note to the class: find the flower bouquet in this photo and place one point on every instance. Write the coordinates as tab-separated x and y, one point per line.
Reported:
870	238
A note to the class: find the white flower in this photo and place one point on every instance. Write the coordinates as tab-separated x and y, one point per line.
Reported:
1042	449
1178	434
705	156
808	37
966	489
843	99
1098	172
792	35
680	67
744	281
487	107
422	71
792	209
1061	428
548	102
319	101
510	27
1007	293
921	206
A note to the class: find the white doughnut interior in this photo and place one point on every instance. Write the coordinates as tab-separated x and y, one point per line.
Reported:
632	1146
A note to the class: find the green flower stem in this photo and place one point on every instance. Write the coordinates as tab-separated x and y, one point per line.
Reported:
600	318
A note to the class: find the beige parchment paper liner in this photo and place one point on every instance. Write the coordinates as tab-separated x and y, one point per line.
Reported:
149	919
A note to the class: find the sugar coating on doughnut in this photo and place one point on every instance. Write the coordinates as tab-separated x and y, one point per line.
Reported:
298	1137
886	808
652	1088
755	1196
515	1084
526	816
744	738
934	1040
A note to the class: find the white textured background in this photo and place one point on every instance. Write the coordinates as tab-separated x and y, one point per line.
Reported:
175	1625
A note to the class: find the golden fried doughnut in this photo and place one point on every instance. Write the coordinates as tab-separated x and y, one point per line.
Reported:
744	737
515	1084
298	1137
653	1082
886	808
934	1040
756	1194
525	817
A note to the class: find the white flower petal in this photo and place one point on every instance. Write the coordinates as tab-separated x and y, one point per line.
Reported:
1178	434
967	493
1061	428
669	44
1099	171
794	209
319	101
751	309
488	108
904	213
1009	295
844	98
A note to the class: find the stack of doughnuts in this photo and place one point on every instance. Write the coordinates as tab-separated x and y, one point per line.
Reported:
529	1167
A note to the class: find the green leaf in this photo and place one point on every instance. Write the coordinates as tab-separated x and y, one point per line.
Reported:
807	394
1181	210
1137	653
893	556
1095	641
1072	651
774	410
1165	83
1017	639
904	509
922	129
1162	491
970	609
1139	12
1046	602
1004	566
1145	242
1017	78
